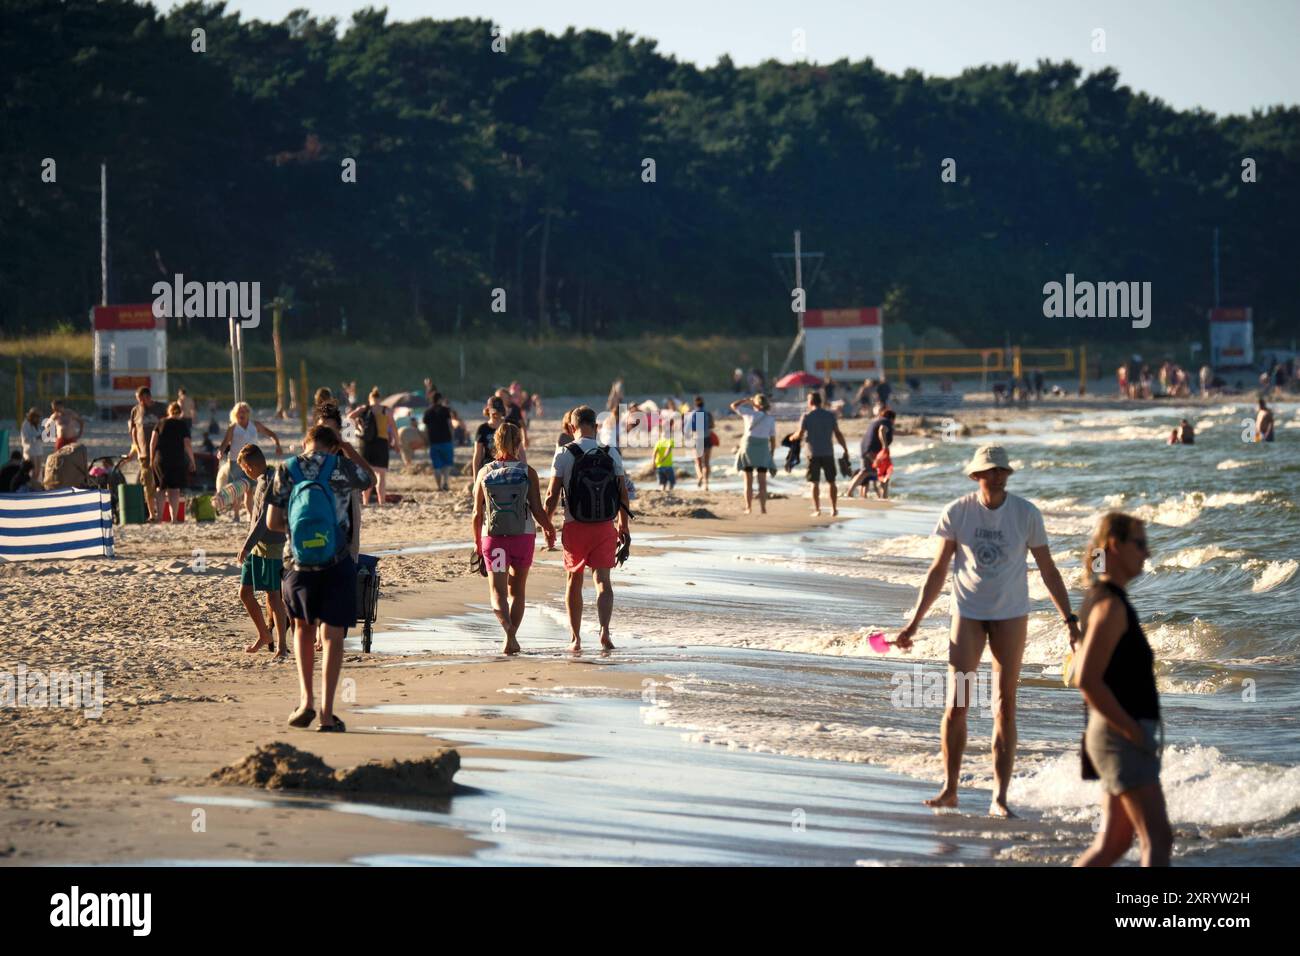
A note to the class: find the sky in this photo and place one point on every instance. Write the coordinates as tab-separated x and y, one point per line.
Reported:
1225	56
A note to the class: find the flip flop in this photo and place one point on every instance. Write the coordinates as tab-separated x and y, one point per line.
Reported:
337	727
303	718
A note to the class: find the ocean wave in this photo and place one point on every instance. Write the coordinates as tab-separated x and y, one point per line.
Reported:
1230	463
1189	558
1044	463
1272	573
1177	512
1196	640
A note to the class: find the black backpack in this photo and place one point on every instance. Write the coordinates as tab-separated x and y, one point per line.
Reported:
369	426
593	489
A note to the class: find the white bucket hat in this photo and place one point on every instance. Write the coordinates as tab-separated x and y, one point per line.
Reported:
988	456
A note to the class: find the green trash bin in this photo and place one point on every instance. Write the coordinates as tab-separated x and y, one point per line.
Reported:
130	504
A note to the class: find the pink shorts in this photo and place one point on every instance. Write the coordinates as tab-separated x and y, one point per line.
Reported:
503	551
589	545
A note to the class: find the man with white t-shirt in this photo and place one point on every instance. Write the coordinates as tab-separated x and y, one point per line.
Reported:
989	533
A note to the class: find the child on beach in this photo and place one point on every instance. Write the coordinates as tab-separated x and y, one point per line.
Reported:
884	466
320	575
261	565
663	457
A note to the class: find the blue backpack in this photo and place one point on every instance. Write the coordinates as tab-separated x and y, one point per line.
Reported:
313	524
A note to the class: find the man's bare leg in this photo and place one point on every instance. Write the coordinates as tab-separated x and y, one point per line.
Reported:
332	668
304	648
834	507
573	604
965	648
1007	645
604	604
817	498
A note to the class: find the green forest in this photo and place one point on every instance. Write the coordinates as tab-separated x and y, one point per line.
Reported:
518	162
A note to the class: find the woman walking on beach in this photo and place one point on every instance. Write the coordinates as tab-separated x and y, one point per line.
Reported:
243	430
757	444
172	457
495	412
507	512
1116	674
705	440
988	532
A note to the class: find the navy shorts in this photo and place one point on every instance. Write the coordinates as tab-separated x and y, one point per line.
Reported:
325	595
442	454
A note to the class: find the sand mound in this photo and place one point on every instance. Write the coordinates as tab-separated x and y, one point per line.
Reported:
428	776
278	766
690	513
281	766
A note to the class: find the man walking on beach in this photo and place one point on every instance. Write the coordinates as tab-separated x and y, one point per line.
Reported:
820	429
595	519
145	417
309	500
988	532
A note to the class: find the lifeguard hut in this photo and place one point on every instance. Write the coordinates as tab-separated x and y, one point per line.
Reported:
843	345
130	351
1232	338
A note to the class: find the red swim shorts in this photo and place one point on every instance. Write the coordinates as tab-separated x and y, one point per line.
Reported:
589	545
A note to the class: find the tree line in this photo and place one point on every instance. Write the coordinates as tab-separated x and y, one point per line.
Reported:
606	188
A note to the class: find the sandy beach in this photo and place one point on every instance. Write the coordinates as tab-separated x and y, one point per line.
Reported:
182	699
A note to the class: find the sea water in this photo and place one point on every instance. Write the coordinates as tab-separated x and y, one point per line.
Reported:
761	637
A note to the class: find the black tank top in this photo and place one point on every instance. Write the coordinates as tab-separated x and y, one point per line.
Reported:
1130	675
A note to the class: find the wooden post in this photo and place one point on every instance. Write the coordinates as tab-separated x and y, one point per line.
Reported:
281	410
303	401
1015	363
1083	370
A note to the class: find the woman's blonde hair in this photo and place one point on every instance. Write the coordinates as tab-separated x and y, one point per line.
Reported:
241	406
1113	524
374	391
174	410
761	402
506	440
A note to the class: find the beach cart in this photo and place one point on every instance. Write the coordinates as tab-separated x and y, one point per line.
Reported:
367	596
106	474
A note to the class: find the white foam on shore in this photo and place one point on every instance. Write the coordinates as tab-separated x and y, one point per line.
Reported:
920	546
1230	463
1202	788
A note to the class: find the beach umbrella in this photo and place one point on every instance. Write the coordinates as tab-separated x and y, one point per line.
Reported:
799	379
